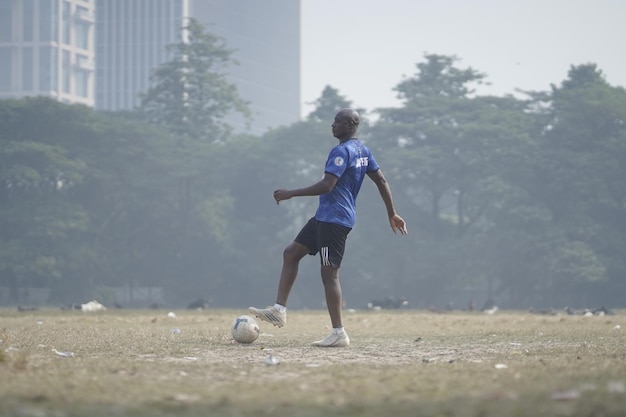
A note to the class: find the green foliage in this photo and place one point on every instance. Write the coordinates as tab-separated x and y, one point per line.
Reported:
191	95
328	104
439	77
521	200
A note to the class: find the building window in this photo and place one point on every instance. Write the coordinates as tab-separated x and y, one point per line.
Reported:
82	35
82	83
67	22
6	21
27	69
66	71
48	21
27	19
6	63
47	68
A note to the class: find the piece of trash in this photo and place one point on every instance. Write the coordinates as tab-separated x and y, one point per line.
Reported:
491	310
191	358
419	339
616	387
92	306
64	354
570	395
176	331
171	315
515	344
39	322
616	327
187	398
271	361
426	360
500	366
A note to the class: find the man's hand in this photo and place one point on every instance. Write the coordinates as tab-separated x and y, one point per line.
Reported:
398	224
282	194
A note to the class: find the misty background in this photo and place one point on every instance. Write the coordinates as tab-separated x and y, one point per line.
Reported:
517	199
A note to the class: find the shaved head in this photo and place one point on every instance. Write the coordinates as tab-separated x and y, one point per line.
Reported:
350	115
346	124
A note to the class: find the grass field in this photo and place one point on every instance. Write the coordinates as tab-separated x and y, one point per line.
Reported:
400	363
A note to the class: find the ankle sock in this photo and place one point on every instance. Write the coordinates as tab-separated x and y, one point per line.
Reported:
338	330
280	308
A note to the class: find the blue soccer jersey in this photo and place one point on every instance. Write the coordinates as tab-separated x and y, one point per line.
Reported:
349	162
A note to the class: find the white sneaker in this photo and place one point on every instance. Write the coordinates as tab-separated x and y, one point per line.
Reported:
334	340
270	315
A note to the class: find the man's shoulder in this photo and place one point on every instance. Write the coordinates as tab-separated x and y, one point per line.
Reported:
350	145
339	148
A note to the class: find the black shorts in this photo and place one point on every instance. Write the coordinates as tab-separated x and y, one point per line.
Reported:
328	239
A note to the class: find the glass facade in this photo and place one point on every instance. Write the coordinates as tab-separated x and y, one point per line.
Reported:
28	17
6	21
267	44
6	64
55	48
47	48
27	69
66	70
67	22
48	20
47	69
131	40
132	36
82	83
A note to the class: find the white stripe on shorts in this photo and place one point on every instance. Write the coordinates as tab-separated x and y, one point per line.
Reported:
324	255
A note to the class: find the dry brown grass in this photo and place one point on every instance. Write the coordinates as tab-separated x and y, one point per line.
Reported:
417	363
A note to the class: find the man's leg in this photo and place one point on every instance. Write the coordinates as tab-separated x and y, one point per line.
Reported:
332	290
338	337
277	314
332	246
292	255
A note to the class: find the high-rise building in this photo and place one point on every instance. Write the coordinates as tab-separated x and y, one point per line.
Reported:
132	36
47	49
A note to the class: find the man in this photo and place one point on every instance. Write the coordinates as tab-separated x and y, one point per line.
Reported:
326	232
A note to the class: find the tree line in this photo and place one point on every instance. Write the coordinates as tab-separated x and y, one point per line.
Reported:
520	198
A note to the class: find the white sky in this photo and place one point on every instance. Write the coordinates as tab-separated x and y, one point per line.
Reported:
364	48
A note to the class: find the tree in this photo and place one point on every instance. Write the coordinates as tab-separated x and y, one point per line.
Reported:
579	176
37	178
328	104
450	153
191	95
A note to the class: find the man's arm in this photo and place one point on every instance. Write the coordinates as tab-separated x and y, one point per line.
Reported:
396	222
323	186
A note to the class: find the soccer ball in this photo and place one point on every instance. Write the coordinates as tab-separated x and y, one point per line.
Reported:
245	329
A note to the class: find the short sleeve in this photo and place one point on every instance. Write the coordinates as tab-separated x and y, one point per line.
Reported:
337	161
372	165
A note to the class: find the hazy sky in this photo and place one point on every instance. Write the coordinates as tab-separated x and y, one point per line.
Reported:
364	48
